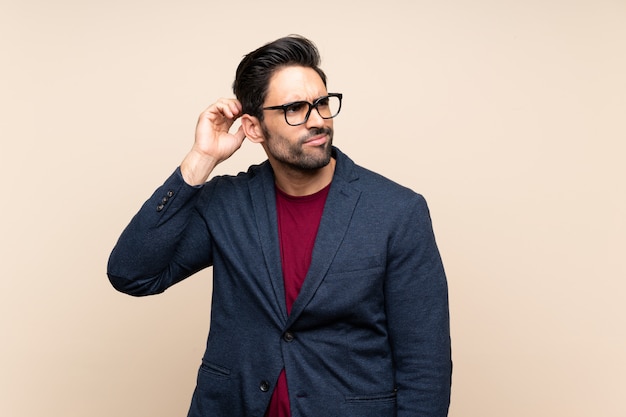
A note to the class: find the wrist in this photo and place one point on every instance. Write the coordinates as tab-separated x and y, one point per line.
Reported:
196	167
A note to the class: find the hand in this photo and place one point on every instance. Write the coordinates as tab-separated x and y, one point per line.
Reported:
213	142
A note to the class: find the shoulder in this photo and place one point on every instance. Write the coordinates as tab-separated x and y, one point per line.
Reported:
229	187
242	179
375	186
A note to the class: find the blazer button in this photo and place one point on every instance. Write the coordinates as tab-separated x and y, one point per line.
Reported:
288	337
264	386
170	193
160	207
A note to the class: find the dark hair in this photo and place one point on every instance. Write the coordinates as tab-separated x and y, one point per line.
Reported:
256	68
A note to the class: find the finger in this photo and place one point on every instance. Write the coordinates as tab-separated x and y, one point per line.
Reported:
217	115
229	108
236	106
240	135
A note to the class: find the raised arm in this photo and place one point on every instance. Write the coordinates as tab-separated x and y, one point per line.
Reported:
166	241
213	142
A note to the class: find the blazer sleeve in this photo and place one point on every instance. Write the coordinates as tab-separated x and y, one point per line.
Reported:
165	242
416	297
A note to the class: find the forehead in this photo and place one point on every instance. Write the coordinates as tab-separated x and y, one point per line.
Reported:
294	83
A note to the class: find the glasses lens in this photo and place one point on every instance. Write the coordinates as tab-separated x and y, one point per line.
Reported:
296	112
327	107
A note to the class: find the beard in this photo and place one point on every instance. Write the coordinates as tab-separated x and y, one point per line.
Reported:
295	155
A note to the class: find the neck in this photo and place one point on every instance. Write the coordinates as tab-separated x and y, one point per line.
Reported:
299	182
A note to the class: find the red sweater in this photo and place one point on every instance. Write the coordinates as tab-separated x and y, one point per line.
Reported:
298	221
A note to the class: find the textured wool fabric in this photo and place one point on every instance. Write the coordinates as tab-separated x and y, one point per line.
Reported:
368	334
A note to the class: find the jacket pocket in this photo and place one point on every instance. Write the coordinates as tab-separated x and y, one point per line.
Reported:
214	394
214	370
371	405
356	264
382	397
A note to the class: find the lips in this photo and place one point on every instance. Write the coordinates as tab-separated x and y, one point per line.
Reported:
317	140
318	137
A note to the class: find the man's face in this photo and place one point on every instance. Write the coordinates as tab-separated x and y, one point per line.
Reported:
304	147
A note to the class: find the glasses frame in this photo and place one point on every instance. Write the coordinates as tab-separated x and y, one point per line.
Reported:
312	106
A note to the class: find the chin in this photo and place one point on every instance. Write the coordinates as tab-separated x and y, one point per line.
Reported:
317	161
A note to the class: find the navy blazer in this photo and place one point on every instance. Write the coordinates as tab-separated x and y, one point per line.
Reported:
368	335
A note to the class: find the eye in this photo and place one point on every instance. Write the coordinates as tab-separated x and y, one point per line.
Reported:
297	107
323	102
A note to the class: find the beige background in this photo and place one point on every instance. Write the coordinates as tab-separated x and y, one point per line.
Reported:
508	116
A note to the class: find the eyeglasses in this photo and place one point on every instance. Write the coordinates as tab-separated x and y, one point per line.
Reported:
298	112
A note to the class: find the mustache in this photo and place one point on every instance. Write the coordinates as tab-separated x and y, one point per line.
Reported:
316	132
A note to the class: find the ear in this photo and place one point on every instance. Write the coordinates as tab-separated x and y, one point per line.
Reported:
252	128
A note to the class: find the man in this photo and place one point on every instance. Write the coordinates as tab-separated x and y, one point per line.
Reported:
329	295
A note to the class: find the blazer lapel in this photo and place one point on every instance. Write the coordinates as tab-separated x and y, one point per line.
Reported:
263	196
338	210
340	204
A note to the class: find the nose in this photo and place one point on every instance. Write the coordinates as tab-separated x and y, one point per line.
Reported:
315	120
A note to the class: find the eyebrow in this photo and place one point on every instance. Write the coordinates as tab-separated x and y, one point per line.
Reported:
304	100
